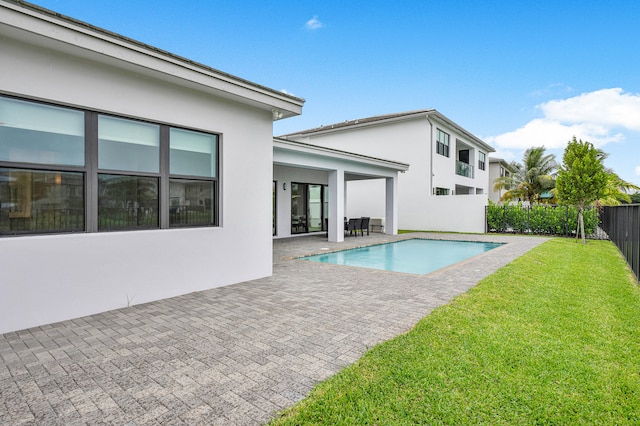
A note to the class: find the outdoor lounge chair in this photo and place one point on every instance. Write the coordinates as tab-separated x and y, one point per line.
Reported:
365	225
354	226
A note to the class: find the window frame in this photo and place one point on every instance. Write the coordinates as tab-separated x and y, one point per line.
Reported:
90	172
442	146
49	214
482	160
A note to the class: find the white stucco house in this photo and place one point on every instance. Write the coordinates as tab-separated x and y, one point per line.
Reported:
497	168
310	188
447	186
127	174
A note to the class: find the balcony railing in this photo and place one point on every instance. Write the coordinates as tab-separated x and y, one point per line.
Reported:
464	169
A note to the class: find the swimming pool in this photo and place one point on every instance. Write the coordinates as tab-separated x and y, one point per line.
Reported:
414	256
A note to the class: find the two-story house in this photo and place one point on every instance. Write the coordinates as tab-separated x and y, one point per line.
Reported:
447	185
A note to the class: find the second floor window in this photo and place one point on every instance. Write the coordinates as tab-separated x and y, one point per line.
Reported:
482	160
442	143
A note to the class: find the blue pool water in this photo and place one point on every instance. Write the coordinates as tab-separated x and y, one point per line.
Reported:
416	256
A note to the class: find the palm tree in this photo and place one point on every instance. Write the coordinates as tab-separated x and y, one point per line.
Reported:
617	190
532	178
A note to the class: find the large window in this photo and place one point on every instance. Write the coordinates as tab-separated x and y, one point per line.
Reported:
127	200
42	156
193	170
66	170
442	142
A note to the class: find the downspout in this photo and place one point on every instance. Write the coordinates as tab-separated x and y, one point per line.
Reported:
430	154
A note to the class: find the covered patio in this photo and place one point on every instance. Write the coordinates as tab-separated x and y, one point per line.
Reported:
310	188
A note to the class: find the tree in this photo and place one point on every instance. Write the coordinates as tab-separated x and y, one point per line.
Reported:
582	178
531	179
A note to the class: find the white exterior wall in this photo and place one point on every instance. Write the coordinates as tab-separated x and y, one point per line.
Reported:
360	202
51	278
414	142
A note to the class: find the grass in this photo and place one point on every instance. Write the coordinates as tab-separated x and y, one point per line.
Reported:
552	338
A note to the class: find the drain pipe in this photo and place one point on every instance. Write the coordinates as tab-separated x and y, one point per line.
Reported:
430	153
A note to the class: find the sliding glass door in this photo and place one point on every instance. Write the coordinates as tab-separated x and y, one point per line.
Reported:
309	207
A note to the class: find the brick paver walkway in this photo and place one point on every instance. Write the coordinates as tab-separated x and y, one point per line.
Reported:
233	355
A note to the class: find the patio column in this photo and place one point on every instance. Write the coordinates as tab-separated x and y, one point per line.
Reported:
391	206
336	206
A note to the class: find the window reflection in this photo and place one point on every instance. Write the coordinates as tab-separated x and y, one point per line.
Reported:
41	201
191	202
127	202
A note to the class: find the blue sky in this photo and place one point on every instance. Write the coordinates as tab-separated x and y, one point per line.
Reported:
515	73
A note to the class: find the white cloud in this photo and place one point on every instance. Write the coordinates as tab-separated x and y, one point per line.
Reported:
599	117
637	170
608	107
313	24
286	92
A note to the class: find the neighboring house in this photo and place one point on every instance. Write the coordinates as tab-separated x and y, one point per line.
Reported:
446	188
497	168
127	174
309	185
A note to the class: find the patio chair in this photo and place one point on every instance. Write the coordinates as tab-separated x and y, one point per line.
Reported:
354	226
365	225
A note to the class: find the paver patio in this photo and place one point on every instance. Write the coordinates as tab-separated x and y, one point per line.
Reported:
233	355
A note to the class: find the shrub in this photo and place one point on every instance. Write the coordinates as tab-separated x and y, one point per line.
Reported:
539	219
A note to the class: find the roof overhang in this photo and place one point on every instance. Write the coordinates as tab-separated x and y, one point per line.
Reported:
41	27
355	166
502	162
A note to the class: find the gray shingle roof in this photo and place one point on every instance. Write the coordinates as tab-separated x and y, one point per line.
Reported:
366	120
390	118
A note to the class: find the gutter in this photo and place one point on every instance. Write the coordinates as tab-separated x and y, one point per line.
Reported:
428	117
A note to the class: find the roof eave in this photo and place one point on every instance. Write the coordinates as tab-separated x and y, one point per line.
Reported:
411	115
460	129
360	123
47	26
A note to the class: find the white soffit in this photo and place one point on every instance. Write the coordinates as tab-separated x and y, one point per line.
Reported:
335	154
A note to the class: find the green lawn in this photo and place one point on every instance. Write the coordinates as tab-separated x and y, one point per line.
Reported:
552	338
